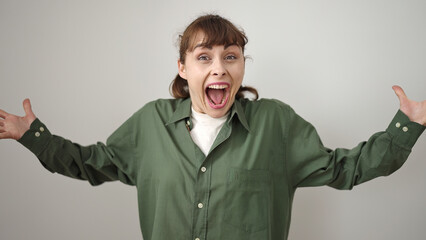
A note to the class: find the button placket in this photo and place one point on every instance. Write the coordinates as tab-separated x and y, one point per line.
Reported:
202	199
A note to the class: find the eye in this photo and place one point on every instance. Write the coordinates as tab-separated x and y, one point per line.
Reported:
203	58
230	57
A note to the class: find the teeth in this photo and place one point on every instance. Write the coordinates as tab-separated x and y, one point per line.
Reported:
217	86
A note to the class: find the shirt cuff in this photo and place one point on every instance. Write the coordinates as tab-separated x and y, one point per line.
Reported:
403	131
36	138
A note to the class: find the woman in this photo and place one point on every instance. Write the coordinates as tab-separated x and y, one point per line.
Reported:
210	164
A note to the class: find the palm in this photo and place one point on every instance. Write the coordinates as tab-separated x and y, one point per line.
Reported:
415	111
12	126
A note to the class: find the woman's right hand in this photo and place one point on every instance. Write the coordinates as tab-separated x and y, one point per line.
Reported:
14	127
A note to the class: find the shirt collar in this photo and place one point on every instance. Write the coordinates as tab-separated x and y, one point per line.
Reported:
237	109
183	111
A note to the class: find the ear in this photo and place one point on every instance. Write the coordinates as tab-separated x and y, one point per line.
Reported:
182	70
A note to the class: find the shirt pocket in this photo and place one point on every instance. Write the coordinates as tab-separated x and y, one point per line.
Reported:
247	199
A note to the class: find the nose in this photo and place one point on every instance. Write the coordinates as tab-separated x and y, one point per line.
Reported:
218	68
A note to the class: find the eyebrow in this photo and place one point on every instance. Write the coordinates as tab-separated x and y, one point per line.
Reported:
202	45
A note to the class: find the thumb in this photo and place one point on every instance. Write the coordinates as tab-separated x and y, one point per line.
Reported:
27	108
400	94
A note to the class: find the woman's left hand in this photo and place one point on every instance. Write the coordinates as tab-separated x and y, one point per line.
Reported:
415	111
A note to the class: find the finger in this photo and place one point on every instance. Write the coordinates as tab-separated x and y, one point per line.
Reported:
27	107
2	128
3	114
4	135
400	93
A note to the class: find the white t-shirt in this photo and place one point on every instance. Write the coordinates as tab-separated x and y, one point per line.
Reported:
205	129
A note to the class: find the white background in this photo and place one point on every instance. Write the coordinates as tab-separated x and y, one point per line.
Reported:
87	65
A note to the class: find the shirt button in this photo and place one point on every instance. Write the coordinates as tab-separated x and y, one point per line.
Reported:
405	129
200	205
37	134
203	169
41	129
398	125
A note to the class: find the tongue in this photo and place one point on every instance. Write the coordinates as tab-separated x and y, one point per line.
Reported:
216	95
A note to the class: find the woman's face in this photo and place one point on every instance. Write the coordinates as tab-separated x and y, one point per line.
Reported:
214	75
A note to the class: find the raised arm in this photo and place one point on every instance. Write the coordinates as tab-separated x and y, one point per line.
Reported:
312	164
14	127
95	163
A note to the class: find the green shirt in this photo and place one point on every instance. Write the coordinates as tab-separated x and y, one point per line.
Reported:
244	187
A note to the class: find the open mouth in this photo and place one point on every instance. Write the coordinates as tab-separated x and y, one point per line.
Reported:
217	94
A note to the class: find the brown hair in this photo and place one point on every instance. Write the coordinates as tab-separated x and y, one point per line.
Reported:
217	31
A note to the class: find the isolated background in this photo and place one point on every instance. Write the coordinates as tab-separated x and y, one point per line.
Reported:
87	65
